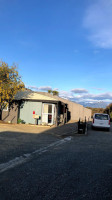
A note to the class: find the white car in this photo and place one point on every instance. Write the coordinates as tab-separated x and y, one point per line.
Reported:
101	121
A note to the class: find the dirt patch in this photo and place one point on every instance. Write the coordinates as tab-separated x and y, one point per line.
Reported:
22	128
2	122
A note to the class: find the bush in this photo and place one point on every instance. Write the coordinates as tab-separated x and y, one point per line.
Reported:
20	121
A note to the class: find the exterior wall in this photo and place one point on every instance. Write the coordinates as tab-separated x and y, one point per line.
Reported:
26	111
87	114
78	111
11	115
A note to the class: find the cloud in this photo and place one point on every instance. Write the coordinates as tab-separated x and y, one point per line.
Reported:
65	94
99	89
98	21
32	87
43	88
74	94
85	97
102	96
78	95
56	89
79	91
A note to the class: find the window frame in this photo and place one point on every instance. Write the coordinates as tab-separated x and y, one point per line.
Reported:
5	110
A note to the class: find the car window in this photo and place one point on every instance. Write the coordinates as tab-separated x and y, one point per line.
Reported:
101	117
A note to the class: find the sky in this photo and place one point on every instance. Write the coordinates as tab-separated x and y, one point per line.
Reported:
63	45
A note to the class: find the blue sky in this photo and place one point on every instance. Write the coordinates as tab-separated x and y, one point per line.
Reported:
60	44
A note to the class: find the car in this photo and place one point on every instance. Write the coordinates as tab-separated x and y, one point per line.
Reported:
101	120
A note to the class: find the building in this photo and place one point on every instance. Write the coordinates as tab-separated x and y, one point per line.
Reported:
43	109
33	108
75	110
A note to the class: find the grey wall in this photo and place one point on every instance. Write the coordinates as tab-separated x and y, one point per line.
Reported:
78	111
11	115
26	111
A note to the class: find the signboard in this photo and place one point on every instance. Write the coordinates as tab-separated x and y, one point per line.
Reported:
36	116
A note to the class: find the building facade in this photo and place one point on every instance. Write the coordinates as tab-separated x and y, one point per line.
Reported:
43	109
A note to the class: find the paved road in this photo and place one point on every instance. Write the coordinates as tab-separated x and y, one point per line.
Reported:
80	168
20	139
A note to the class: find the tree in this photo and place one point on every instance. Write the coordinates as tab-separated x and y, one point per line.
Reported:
49	91
108	110
55	92
96	110
10	84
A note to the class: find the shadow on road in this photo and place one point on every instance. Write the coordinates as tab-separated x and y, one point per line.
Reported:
15	144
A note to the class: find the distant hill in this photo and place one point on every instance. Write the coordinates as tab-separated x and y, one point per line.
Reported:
97	110
99	104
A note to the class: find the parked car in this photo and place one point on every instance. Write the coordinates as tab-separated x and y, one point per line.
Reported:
101	121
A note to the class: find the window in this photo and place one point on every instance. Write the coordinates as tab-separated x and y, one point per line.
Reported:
5	107
101	117
47	108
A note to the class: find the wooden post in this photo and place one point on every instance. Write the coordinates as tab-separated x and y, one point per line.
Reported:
57	114
66	114
63	113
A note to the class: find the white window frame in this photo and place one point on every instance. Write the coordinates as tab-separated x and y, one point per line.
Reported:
7	108
48	113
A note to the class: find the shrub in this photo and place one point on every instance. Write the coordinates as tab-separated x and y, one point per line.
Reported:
20	121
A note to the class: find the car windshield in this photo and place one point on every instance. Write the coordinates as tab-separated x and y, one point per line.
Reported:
101	116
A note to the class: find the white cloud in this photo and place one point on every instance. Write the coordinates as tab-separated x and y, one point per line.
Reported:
101	97
32	87
99	89
86	97
98	21
65	94
56	89
79	90
45	88
78	95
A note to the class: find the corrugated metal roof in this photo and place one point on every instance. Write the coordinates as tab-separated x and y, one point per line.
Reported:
33	96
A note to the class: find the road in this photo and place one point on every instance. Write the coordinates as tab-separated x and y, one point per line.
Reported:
74	169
